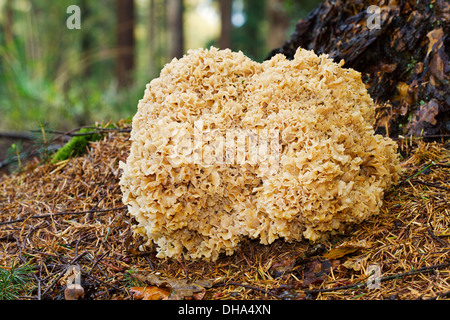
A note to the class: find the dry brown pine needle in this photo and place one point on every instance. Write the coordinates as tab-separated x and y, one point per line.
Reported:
53	216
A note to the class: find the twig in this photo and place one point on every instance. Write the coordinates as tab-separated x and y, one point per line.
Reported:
74	133
391	277
435	237
96	264
422	137
442	165
62	272
413	272
149	262
224	283
16	135
60	214
89	217
186	273
103	282
118	269
439	295
432	163
428	184
348	286
38	280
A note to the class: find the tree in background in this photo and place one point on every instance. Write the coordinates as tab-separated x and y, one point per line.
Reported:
175	25
250	36
87	41
226	25
151	35
73	77
278	23
125	42
155	47
8	24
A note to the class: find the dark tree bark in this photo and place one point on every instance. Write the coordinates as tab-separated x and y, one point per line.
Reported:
404	63
226	26
176	30
125	42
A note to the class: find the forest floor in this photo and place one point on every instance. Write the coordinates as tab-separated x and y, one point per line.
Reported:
57	215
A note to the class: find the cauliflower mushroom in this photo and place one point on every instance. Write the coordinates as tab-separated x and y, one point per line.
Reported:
311	165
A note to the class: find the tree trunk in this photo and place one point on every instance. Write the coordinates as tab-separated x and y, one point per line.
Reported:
175	17
9	19
249	37
125	42
86	42
151	38
402	50
278	20
225	19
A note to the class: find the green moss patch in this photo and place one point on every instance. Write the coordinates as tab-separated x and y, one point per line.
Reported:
77	145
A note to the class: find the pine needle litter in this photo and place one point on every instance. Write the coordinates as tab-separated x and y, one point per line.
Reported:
54	216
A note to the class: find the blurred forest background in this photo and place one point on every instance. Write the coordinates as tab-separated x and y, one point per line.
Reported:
62	78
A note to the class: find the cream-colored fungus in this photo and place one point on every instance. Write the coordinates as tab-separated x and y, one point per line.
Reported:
331	169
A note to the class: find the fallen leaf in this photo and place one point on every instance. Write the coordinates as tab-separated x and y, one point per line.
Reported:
429	111
402	91
281	268
346	248
353	263
385	67
433	37
178	289
439	58
314	271
199	295
150	293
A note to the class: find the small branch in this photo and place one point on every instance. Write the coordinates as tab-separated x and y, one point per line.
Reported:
232	283
348	286
417	271
416	174
435	237
428	184
95	130
62	272
439	295
60	214
422	137
16	135
394	276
